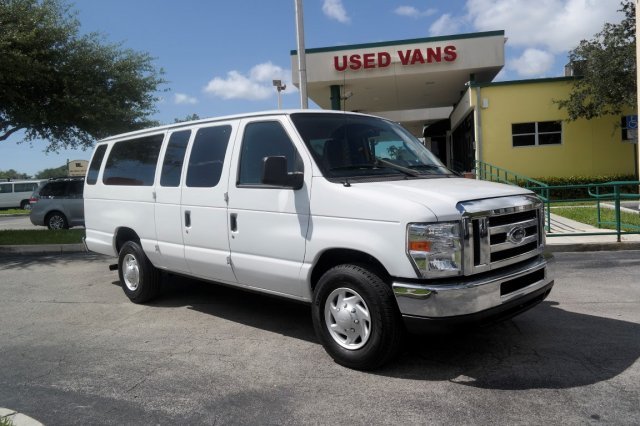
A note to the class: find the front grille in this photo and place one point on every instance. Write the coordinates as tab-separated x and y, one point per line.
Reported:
501	231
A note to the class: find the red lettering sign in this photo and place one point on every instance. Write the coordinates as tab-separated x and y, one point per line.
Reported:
429	55
450	54
384	59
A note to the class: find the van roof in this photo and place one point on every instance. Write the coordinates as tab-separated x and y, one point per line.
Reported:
222	118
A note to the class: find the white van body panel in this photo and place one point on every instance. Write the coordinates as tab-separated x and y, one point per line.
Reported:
268	247
270	239
15	193
206	240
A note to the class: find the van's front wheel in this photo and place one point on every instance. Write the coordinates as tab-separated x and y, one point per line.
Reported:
139	278
356	318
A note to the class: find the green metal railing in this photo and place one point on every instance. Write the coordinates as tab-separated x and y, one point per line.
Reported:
597	194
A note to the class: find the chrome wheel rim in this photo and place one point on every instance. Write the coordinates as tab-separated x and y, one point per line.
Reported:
347	318
56	222
131	272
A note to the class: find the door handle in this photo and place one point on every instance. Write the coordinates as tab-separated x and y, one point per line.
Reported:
233	221
187	218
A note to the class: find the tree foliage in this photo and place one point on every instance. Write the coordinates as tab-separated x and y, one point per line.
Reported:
12	175
53	173
189	117
64	87
607	65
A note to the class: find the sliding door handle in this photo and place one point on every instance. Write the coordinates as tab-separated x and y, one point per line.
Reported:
233	222
187	218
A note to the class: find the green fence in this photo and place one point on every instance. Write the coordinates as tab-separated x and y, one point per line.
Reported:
599	196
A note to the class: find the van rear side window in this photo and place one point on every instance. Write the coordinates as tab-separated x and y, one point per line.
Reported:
94	168
133	162
174	157
207	156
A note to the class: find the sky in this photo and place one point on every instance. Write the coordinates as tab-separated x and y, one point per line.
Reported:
220	57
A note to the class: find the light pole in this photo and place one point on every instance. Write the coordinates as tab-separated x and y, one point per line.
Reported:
302	59
280	87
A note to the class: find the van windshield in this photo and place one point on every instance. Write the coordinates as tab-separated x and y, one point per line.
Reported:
352	146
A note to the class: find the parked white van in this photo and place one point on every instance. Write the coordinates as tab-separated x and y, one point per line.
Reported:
16	194
348	212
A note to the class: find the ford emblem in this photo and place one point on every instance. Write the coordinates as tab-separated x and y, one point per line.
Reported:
516	235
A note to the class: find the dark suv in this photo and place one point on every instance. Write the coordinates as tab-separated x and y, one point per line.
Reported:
58	203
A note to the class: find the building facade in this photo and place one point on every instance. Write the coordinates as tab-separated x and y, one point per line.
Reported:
442	90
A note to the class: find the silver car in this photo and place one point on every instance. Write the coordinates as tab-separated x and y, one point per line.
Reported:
58	203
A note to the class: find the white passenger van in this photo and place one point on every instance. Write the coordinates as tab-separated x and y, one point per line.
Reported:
345	211
16	194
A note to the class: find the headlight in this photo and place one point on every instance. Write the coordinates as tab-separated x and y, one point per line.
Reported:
435	248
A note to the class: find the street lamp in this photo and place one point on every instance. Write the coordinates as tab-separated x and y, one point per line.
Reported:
280	87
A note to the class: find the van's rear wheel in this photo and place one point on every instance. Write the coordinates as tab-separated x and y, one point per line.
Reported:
356	318
140	280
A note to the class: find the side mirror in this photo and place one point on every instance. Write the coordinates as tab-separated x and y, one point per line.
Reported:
274	172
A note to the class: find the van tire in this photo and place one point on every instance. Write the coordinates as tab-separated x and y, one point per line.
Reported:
140	280
56	220
354	294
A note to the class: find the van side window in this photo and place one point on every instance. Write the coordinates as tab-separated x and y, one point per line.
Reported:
207	156
24	187
133	162
94	168
6	188
174	157
54	189
265	139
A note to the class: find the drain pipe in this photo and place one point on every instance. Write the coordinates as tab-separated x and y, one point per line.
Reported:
478	129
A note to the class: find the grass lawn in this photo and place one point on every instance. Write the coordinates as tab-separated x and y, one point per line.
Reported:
14	211
589	216
37	236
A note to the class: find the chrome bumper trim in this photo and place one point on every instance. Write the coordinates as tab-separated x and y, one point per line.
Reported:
466	297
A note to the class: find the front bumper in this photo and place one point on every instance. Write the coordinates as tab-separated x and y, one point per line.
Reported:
491	296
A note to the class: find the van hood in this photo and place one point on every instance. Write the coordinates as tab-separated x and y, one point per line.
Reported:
412	199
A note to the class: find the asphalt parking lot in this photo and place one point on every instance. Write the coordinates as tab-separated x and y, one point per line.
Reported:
74	350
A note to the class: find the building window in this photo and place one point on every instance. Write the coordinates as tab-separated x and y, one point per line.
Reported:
629	126
537	133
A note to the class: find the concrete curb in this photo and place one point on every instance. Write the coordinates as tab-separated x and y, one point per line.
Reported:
42	249
591	246
18	419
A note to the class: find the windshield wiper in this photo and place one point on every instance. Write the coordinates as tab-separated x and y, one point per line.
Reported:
355	166
407	171
430	167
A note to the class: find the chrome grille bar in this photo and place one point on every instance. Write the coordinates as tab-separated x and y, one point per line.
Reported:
500	232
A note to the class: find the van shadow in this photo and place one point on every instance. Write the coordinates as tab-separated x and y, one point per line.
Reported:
286	317
544	348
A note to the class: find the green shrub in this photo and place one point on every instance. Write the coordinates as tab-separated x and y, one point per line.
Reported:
582	192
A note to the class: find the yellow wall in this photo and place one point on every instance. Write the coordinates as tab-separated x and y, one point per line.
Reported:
589	147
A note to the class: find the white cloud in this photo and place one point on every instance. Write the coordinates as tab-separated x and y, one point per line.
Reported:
184	99
556	25
413	12
334	9
533	63
255	86
446	24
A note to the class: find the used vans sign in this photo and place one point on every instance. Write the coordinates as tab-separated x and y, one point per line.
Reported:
405	57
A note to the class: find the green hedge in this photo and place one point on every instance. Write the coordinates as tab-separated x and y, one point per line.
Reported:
582	193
